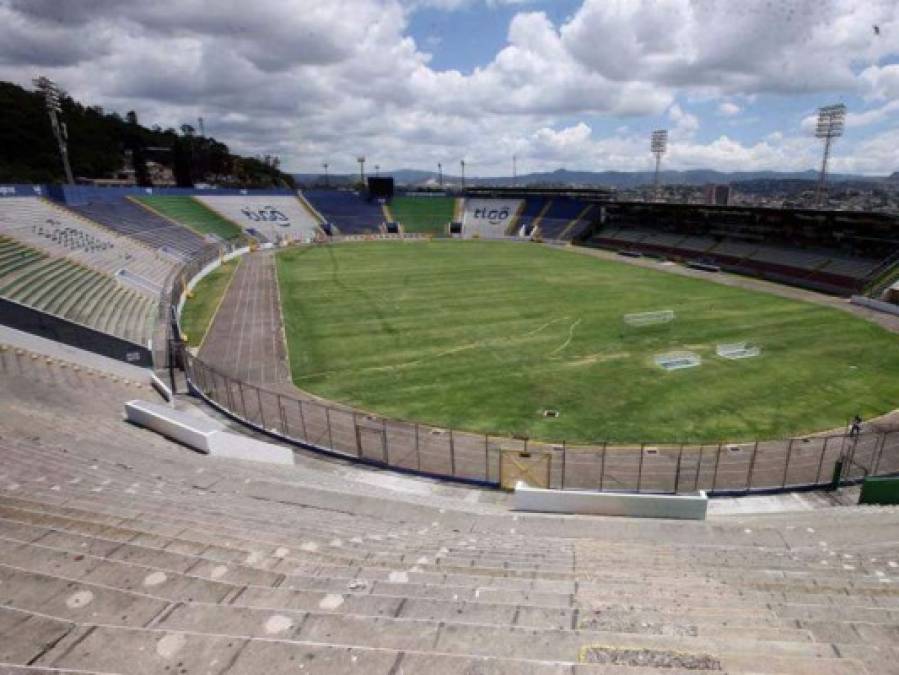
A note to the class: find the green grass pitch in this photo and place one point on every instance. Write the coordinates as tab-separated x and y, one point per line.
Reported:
199	310
193	214
485	336
423	215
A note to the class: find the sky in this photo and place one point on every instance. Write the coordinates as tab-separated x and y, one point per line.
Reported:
576	84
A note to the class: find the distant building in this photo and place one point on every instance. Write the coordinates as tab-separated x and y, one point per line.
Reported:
717	195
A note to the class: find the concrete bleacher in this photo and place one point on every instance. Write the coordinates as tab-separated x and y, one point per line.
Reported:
490	218
348	211
129	218
277	218
123	552
72	291
62	233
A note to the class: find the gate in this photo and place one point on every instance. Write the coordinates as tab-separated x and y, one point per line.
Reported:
518	465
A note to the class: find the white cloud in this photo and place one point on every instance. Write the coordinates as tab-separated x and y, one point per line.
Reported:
685	124
327	80
729	109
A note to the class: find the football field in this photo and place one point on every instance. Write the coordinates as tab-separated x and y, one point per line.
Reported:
487	336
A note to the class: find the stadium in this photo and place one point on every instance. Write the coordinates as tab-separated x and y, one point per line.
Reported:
599	420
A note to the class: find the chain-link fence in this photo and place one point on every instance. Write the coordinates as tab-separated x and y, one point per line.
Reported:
643	467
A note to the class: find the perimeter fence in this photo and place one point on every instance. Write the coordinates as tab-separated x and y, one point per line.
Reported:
760	466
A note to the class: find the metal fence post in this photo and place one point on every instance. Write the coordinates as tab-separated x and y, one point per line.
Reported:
717	462
328	422
302	420
640	467
243	403
883	442
487	456
564	461
417	449
452	454
787	463
821	461
680	457
384	439
755	449
358	434
602	465
698	467
281	418
261	412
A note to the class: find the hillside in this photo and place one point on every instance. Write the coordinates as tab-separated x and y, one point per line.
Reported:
100	143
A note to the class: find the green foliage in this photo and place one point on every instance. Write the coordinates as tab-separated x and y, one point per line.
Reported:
427	215
98	142
487	335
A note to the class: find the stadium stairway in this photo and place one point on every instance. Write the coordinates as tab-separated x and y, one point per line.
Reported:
123	552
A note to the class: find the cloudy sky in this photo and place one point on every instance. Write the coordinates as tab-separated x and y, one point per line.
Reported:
409	83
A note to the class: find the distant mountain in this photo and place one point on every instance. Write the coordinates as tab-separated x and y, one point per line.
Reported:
616	179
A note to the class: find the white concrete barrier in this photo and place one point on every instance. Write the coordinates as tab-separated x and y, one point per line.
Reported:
683	507
204	435
871	303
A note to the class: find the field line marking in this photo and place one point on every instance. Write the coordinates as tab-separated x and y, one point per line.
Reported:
546	325
568	341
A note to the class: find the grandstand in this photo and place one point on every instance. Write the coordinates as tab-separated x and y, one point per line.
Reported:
59	232
193	214
347	211
273	218
121	551
130	219
564	219
834	252
423	214
74	292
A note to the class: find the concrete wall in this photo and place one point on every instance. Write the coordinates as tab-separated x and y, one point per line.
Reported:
683	507
879	305
204	435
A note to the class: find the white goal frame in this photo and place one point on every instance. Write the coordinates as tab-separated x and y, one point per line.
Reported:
641	319
737	350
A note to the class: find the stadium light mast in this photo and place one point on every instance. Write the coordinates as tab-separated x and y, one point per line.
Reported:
462	164
831	120
440	174
377	169
658	144
361	161
51	94
325	167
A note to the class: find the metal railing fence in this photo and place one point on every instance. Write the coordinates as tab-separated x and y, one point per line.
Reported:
791	463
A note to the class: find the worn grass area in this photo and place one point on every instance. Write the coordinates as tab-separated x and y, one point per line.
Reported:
199	310
193	214
425	215
487	335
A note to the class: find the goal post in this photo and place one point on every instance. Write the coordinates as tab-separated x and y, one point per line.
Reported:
642	319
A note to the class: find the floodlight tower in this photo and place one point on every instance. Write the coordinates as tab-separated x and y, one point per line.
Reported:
361	161
51	94
658	144
462	164
325	167
440	174
831	120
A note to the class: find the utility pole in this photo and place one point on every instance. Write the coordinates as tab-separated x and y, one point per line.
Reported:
440	174
462	164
